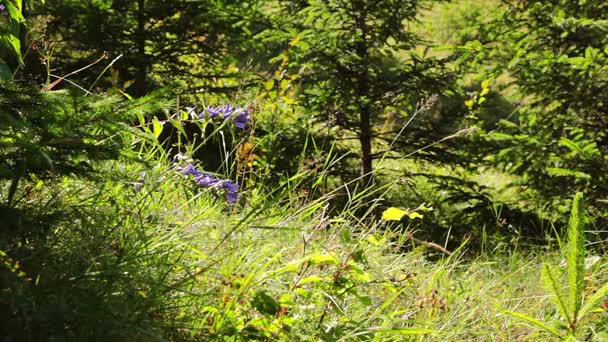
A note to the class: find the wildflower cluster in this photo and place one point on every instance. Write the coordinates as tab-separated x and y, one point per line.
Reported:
231	190
238	115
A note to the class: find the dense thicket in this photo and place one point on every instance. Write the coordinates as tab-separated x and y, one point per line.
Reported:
555	53
147	43
345	78
146	144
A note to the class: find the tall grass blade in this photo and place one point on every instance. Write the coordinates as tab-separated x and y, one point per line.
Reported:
535	322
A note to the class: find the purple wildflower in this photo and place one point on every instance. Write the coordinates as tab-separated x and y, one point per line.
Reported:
239	116
205	179
241	119
231	190
190	170
222	112
2	8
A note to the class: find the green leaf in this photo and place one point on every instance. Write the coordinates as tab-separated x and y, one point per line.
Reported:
12	42
323	259
269	84
396	214
393	214
485	87
295	41
373	240
501	136
345	236
469	104
365	300
157	127
5	71
14	10
414	215
265	304
311	279
403	331
507	124
561	172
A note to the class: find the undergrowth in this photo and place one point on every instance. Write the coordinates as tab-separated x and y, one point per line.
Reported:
145	253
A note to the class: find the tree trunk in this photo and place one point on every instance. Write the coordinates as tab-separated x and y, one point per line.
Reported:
363	92
141	72
365	139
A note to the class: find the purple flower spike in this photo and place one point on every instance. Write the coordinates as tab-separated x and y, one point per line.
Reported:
242	119
231	190
2	8
213	112
190	170
231	197
205	179
230	186
222	112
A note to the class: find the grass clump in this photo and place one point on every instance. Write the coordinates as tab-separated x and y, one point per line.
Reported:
142	252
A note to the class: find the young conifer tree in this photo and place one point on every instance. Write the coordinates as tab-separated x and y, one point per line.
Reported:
556	52
357	63
159	42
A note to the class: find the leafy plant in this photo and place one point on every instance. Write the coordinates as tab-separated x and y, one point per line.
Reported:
573	308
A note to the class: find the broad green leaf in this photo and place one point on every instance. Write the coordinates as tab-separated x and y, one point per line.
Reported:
393	214
269	84
157	127
365	300
12	42
311	279
414	215
5	72
561	172
265	303
323	259
396	214
14	10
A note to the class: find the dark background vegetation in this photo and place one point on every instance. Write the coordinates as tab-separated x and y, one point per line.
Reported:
494	113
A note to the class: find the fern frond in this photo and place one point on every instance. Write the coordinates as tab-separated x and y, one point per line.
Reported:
593	301
551	285
575	255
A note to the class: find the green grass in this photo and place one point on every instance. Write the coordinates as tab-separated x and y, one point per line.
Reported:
163	259
170	263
